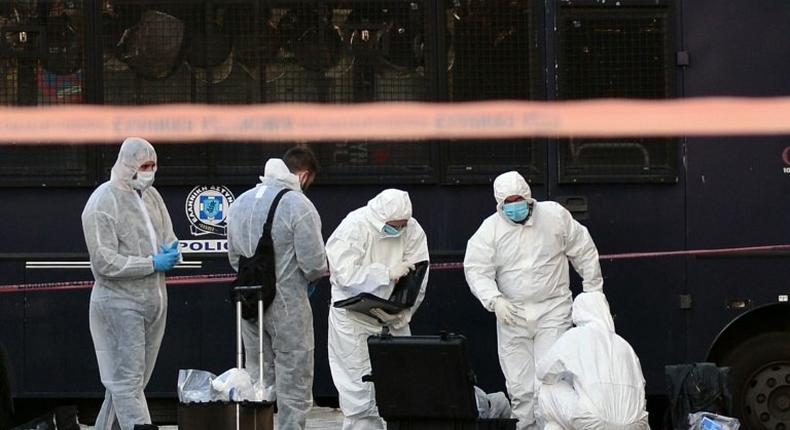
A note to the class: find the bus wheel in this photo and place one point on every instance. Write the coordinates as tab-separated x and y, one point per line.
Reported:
760	376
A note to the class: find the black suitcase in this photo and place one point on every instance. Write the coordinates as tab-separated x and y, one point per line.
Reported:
232	415
426	382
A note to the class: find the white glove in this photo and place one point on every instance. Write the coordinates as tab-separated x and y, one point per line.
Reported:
399	270
396	321
505	311
403	321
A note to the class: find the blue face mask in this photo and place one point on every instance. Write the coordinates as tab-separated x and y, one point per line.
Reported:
516	211
391	231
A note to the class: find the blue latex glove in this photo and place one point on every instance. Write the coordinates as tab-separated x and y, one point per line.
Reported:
167	257
174	247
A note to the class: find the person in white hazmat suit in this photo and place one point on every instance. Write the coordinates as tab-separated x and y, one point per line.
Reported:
516	264
368	252
299	260
591	378
131	243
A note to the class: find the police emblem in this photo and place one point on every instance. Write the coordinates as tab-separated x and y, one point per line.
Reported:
207	208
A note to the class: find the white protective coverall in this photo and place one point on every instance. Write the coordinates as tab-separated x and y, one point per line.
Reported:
591	378
527	265
360	257
299	259
128	307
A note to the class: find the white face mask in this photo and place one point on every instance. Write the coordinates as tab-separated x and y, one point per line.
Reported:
143	180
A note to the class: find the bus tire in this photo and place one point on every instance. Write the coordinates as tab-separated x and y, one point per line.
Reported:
760	379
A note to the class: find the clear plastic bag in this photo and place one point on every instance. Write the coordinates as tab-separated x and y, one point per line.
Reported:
235	385
711	421
195	386
264	393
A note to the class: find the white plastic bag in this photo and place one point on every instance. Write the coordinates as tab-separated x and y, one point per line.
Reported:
234	385
711	421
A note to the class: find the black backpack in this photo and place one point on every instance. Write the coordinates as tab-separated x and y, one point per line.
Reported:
696	387
259	269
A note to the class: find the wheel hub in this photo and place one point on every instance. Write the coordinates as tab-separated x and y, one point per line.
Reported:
767	400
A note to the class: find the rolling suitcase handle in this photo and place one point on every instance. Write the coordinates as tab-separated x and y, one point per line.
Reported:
237	297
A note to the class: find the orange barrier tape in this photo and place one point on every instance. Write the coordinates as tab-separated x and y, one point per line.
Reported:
401	121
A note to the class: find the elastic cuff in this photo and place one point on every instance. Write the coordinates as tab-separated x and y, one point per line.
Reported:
492	303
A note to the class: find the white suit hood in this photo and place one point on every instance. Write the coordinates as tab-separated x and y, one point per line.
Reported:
135	151
592	310
276	170
512	184
388	205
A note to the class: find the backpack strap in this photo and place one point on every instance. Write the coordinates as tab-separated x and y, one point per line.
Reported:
273	208
266	234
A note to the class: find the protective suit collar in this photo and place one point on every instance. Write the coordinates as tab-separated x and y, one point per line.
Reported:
512	184
592	310
276	170
135	151
388	205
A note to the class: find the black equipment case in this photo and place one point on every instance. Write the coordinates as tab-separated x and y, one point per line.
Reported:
232	415
426	382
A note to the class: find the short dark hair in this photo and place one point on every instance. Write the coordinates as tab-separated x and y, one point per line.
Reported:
301	157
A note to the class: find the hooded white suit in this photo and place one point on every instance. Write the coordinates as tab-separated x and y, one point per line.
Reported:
124	228
591	378
288	341
527	265
360	257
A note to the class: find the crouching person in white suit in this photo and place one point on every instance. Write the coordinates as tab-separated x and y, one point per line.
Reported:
591	378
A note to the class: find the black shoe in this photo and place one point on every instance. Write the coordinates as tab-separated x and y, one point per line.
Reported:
145	427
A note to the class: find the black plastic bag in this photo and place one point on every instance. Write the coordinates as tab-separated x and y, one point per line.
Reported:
696	387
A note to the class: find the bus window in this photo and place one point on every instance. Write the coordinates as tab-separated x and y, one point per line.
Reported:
615	52
491	54
41	63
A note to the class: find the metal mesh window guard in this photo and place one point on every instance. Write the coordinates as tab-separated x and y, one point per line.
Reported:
265	51
353	53
41	63
271	52
490	55
615	52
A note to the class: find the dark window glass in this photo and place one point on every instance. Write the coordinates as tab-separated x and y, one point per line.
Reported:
491	55
615	52
271	52
41	63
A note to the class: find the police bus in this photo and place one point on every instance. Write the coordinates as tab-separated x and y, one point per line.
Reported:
634	194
